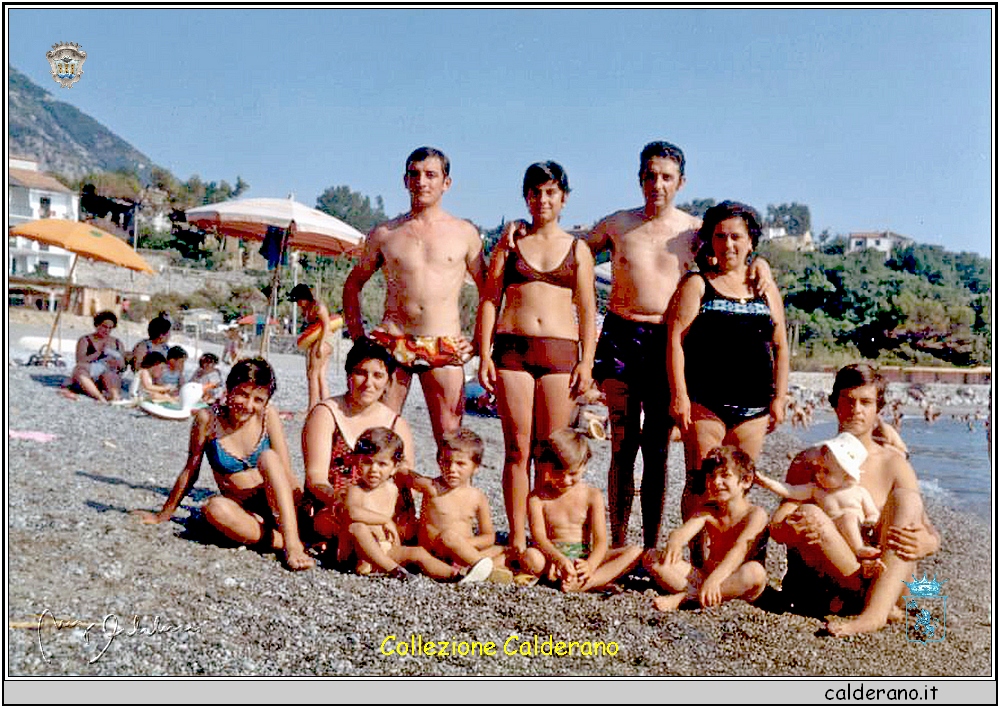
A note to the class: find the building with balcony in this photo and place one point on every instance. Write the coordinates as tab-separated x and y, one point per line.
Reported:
36	195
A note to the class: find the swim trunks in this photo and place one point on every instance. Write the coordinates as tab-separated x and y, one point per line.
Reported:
728	362
423	352
536	355
573	551
631	352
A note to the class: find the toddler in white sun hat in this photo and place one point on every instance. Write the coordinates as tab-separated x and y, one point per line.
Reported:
835	488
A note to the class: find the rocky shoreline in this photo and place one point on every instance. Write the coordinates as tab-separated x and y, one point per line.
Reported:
185	606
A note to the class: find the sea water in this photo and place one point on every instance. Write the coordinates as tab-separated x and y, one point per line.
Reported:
952	462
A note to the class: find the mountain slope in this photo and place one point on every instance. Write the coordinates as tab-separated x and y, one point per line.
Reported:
63	139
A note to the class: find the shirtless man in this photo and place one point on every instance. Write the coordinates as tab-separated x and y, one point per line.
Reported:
425	255
651	248
904	533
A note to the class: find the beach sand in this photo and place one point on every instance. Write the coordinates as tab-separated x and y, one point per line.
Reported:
74	552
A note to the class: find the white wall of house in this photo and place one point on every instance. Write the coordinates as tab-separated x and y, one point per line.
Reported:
26	257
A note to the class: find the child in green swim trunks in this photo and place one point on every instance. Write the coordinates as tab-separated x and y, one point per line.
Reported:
567	520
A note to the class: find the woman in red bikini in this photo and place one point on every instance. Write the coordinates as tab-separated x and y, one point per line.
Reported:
334	426
543	339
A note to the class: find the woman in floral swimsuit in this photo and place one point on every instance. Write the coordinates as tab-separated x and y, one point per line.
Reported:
334	426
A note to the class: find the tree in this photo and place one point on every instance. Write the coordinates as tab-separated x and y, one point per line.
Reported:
352	207
794	217
697	207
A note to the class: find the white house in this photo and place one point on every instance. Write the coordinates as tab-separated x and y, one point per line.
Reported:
36	195
883	241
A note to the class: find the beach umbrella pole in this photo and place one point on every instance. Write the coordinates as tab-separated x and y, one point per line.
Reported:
275	281
47	355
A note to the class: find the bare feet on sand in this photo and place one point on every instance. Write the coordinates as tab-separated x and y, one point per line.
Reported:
669	603
858	625
299	559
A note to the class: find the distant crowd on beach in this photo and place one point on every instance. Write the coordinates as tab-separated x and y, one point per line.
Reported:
694	338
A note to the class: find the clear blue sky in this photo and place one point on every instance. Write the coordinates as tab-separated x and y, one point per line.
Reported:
877	119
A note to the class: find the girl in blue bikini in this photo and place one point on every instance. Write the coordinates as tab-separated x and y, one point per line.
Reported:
247	451
727	353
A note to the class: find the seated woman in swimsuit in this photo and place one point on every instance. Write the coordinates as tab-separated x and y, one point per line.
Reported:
334	426
247	451
726	350
542	342
100	359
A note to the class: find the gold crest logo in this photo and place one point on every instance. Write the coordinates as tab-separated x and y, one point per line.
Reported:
66	60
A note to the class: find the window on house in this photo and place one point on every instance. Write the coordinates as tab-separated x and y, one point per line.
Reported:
878	242
859	244
43	247
42	268
45	207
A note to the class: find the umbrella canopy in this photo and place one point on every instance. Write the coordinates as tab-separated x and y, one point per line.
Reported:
316	231
84	240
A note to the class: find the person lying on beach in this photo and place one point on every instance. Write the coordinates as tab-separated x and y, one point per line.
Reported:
332	430
151	370
455	521
819	556
372	506
835	487
209	376
567	520
100	360
733	567
174	375
315	313
245	445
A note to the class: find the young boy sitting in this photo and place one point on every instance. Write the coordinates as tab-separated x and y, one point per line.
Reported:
174	375
452	506
151	370
209	376
835	488
733	566
567	520
372	506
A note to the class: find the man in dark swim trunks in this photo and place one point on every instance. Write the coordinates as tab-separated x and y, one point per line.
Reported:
651	247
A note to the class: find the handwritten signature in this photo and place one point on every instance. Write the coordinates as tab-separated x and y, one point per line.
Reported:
110	628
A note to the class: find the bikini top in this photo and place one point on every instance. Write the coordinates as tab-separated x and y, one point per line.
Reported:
225	463
517	270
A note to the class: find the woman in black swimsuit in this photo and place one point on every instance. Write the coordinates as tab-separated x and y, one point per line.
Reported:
100	359
542	343
726	346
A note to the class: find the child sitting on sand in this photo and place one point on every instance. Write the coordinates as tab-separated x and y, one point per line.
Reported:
174	374
567	520
452	507
209	376
733	566
151	370
835	488
372	506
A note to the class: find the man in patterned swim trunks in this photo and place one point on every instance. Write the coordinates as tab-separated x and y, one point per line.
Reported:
425	255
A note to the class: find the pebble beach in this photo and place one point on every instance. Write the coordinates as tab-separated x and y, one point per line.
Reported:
169	600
